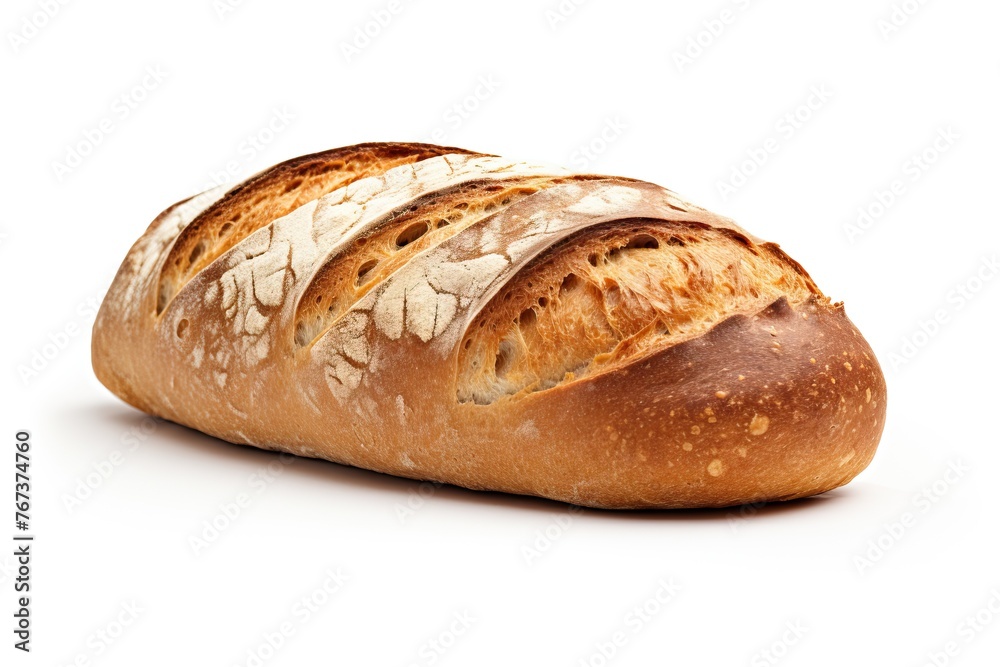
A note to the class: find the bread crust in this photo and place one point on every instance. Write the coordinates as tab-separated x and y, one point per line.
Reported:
770	400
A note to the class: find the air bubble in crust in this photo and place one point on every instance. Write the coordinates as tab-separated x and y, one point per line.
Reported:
644	241
364	270
411	234
197	252
505	355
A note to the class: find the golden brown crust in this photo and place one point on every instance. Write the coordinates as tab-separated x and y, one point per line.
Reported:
590	339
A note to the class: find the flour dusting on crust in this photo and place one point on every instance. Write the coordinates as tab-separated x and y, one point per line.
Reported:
277	260
452	281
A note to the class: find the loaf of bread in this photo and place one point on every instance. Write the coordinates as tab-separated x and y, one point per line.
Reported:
445	315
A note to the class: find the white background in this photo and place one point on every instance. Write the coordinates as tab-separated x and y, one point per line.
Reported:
860	587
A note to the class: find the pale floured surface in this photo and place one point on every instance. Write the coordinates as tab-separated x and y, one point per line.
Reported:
607	200
427	305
